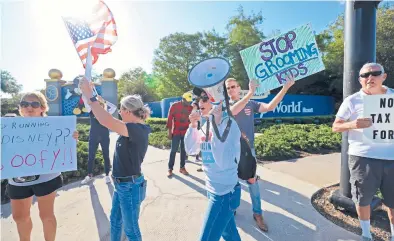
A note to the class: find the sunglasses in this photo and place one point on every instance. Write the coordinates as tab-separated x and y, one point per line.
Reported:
373	73
34	104
231	87
204	98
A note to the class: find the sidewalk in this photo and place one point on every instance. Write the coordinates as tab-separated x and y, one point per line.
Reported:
174	208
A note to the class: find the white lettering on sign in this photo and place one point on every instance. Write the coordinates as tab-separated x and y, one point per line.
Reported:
292	108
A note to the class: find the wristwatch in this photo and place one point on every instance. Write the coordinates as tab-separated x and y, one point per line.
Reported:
93	99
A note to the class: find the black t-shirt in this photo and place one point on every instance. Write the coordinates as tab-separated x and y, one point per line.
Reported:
130	151
96	129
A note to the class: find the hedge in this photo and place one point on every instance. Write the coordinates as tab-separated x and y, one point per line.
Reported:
161	121
83	131
160	140
289	141
82	157
277	141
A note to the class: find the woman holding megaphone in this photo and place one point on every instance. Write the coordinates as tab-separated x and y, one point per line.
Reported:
220	162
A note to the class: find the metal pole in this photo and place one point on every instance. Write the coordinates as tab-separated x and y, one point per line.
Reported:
359	48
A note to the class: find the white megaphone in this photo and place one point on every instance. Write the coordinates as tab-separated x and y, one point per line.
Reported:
209	75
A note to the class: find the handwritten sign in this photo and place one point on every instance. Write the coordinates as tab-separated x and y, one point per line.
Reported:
256	96
380	108
294	52
34	146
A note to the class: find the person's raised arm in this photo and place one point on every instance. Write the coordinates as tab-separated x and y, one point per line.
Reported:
264	107
193	135
105	118
239	105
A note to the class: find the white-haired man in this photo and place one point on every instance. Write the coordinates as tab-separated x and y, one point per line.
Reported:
371	164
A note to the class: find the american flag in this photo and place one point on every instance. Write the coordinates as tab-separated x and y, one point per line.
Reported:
99	32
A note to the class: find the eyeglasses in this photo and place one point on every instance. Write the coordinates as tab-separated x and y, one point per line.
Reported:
231	87
373	73
204	98
34	104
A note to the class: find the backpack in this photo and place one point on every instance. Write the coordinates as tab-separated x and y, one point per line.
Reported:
247	164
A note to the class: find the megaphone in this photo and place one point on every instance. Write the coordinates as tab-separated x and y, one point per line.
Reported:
209	75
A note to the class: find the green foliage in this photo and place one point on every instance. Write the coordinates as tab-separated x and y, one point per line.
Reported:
82	157
160	140
158	127
331	44
243	32
9	84
162	121
176	55
135	81
83	131
287	141
10	105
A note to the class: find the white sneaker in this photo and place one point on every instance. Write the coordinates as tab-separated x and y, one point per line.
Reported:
86	180
107	179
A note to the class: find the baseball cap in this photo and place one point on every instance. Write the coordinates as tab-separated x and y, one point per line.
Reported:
188	96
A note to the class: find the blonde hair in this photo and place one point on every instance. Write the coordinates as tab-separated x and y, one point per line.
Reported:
41	98
134	104
231	79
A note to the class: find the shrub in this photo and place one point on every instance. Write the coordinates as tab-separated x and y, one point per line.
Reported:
82	157
83	131
287	141
160	140
156	121
158	127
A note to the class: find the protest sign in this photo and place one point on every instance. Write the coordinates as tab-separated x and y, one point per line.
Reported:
294	52
34	146
380	108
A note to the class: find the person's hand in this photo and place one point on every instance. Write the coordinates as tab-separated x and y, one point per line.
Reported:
253	84
169	136
86	87
289	82
361	123
217	112
194	117
75	135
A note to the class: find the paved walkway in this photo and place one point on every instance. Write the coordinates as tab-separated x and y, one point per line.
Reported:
174	208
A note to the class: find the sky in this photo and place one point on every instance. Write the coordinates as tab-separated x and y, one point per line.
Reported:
34	39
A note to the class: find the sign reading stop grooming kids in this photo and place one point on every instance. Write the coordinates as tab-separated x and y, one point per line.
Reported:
34	146
292	53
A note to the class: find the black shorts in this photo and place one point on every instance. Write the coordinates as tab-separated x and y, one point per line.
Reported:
39	190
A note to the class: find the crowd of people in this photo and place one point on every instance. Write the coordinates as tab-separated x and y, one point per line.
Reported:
199	128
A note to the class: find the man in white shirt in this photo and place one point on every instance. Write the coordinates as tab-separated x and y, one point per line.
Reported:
371	164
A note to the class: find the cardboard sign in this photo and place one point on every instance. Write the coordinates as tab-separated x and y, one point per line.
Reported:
34	146
292	53
380	108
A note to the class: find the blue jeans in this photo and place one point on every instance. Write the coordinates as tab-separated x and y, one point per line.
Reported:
219	219
126	203
254	191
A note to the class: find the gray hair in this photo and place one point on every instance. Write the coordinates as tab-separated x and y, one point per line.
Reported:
134	104
370	65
